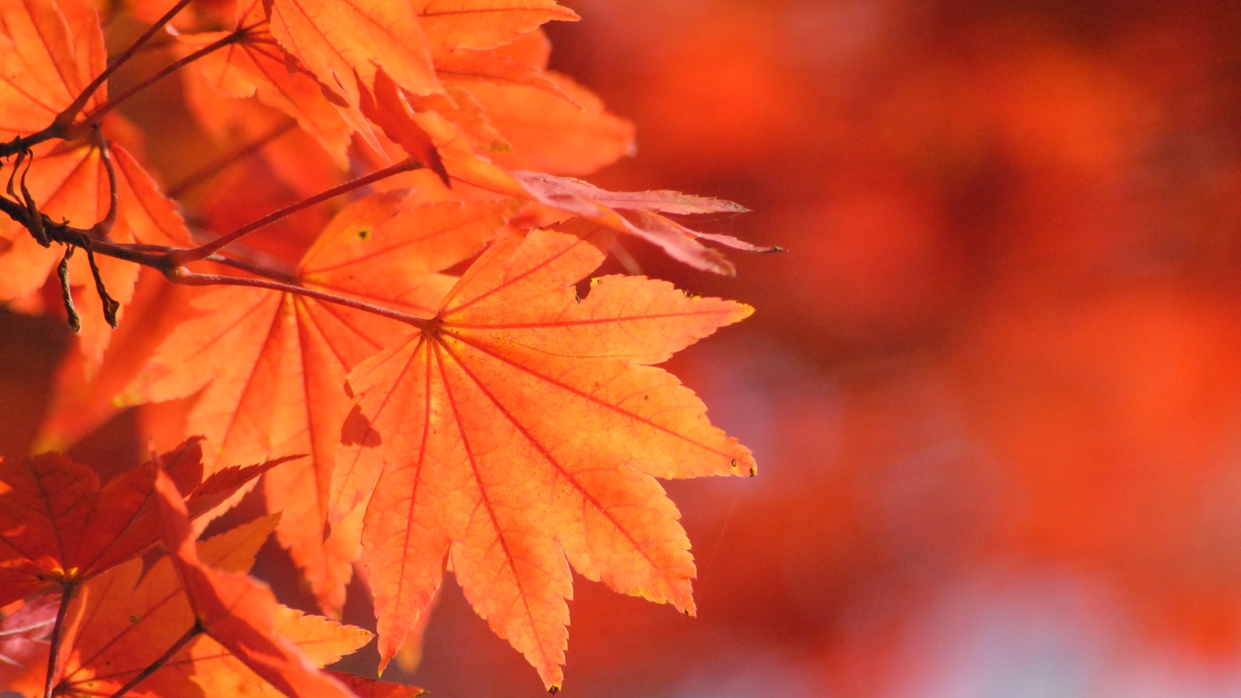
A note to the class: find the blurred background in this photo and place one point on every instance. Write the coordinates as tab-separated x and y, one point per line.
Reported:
994	386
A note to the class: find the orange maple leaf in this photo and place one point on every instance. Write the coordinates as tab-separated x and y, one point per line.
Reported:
345	42
49	52
276	362
483	24
255	65
563	130
521	431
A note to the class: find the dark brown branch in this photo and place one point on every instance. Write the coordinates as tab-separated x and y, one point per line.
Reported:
22	143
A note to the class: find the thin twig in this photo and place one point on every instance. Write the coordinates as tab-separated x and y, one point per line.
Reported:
189	278
58	634
183	257
95	116
252	268
193	632
170	261
67	116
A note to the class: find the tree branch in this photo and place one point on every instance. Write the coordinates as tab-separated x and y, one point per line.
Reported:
58	634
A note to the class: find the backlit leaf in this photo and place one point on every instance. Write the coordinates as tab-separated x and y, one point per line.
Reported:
520	433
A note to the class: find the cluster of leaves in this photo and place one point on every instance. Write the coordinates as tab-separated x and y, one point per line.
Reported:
496	424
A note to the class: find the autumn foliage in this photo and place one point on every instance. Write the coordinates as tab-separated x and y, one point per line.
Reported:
371	289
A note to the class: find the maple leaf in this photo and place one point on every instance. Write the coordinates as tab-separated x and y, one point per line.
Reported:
638	213
521	431
235	611
483	24
58	525
388	109
497	67
550	133
79	405
345	42
366	688
255	65
276	362
124	620
49	52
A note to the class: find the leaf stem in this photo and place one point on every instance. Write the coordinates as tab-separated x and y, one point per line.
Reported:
183	257
104	227
193	632
58	634
188	278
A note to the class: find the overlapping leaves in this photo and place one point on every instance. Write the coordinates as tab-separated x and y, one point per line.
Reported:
495	420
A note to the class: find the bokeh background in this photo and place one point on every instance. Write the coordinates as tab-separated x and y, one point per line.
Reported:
994	386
